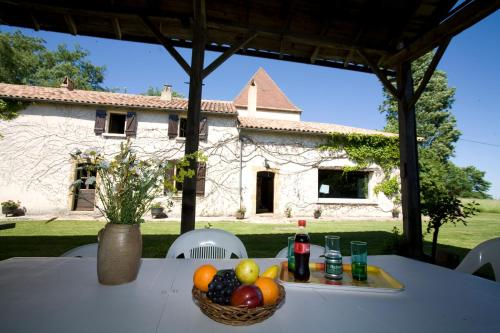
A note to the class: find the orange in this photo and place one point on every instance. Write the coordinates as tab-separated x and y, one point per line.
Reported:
203	276
269	289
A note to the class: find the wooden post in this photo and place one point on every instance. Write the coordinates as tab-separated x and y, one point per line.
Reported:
193	117
410	187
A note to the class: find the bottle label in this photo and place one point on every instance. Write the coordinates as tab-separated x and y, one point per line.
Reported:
301	247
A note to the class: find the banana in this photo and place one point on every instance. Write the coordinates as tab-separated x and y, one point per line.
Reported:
271	272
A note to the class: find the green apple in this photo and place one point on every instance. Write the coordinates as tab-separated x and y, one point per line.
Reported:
247	271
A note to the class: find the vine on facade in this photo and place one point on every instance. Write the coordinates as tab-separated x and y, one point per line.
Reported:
366	149
9	109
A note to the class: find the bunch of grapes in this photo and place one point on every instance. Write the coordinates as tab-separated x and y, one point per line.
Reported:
222	286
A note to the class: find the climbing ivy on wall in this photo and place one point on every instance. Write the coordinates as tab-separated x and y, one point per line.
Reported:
367	149
9	108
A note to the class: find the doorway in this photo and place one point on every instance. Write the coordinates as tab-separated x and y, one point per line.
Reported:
265	192
84	196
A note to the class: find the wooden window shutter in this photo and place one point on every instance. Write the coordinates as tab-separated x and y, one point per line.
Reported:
204	129
200	178
131	124
173	125
100	122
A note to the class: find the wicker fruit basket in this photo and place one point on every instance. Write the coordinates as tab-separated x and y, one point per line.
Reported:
236	315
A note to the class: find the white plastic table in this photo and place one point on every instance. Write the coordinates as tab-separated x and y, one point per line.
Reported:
63	295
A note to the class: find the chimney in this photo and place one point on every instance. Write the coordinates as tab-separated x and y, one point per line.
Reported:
67	83
166	93
252	99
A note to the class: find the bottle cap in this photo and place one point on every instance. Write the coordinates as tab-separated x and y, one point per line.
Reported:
302	223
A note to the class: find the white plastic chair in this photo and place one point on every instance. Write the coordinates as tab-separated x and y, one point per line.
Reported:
316	252
484	253
207	244
84	251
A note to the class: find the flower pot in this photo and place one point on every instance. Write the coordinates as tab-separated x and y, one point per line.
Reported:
317	215
395	214
157	212
240	215
119	253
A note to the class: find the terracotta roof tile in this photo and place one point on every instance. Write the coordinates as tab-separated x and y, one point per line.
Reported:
85	97
269	95
304	127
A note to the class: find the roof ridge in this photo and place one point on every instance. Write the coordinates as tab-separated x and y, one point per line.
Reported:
106	98
321	128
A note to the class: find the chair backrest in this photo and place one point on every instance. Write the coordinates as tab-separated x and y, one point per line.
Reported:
484	253
207	244
84	251
316	252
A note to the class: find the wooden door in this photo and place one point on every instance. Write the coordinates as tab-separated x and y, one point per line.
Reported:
84	198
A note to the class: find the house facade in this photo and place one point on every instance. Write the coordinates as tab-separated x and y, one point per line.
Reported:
260	155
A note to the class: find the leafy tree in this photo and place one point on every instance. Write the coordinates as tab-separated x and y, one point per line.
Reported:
441	182
26	60
439	196
476	185
436	125
155	91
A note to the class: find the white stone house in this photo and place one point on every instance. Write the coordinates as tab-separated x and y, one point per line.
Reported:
260	155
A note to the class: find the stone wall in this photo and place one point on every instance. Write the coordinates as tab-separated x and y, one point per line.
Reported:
36	167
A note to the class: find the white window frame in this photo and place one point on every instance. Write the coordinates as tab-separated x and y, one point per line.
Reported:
108	122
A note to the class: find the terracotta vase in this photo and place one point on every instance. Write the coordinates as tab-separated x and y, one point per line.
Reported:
119	253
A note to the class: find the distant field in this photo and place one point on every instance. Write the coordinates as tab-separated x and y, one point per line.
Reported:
486	205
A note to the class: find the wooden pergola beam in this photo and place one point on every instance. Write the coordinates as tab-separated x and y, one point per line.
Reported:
188	209
409	169
116	27
71	24
238	44
428	73
379	73
460	20
167	44
36	25
351	52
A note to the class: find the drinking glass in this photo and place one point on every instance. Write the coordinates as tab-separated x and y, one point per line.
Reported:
332	244
359	255
333	258
291	256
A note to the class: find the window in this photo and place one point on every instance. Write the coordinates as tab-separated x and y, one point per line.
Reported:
200	178
341	184
182	127
116	123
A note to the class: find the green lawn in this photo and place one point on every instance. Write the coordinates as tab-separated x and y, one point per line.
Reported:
486	205
39	238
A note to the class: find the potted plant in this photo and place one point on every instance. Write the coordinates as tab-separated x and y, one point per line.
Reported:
126	188
240	213
396	210
317	212
157	210
10	207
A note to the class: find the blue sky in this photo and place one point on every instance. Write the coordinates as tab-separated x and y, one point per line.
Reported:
328	95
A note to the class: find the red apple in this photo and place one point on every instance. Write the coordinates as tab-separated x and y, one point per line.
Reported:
248	295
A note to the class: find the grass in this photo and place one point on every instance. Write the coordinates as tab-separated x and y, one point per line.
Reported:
39	238
486	205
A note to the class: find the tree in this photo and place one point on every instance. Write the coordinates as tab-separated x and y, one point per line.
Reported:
476	185
436	125
155	91
441	182
26	60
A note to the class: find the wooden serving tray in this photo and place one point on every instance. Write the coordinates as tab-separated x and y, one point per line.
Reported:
378	279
